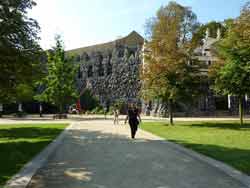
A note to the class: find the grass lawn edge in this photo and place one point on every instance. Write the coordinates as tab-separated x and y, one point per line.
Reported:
22	176
189	147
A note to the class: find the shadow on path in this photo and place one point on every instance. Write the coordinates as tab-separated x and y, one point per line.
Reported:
98	159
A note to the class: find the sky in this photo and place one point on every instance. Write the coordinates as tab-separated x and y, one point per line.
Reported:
88	22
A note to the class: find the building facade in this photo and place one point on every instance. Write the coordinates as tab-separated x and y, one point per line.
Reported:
111	71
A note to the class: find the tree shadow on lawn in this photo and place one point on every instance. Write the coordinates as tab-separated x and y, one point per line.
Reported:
29	132
238	158
224	125
13	155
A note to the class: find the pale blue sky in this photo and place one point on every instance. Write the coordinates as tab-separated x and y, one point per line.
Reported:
88	22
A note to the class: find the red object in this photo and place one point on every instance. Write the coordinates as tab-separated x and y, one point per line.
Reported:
78	105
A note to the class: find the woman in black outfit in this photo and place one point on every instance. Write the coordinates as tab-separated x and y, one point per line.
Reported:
133	121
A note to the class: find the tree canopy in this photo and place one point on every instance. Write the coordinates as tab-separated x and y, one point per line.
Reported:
19	50
59	83
232	76
166	73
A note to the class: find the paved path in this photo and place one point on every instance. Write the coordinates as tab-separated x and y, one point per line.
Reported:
97	154
72	118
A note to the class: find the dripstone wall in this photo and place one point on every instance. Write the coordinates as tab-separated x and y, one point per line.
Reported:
112	75
111	70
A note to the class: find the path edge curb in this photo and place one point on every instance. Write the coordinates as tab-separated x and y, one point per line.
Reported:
24	176
230	171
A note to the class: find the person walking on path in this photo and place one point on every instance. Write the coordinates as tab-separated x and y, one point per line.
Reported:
116	115
133	117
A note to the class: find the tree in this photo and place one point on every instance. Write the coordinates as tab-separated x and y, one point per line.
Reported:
19	50
166	73
24	93
232	76
59	83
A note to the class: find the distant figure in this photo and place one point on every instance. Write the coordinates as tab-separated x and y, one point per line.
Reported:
1	109
40	110
133	117
105	112
116	115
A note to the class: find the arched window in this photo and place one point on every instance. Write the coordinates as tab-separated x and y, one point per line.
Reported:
100	69
79	73
90	71
109	68
78	58
85	56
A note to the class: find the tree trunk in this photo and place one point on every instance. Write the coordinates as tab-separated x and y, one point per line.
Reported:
241	110
60	109
170	107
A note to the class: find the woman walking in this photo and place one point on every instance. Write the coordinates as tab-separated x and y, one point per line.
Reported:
133	118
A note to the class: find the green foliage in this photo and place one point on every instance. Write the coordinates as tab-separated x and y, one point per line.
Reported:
20	143
24	93
88	101
19	50
166	73
233	77
119	104
60	88
97	110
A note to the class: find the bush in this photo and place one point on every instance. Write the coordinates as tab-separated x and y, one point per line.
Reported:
121	105
111	109
88	101
20	114
97	110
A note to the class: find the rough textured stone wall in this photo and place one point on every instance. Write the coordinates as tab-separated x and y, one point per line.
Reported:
111	75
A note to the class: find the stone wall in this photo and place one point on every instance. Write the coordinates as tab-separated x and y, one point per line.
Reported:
111	75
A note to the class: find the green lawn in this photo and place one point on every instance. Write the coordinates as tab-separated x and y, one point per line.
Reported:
20	143
224	141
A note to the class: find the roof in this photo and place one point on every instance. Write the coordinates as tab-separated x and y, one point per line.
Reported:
132	40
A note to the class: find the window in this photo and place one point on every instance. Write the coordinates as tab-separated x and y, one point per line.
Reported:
100	69
79	73
78	58
85	56
90	71
109	68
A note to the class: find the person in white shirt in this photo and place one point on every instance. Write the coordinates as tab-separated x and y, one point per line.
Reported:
116	115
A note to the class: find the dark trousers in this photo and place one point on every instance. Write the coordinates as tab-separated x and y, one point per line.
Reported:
133	127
